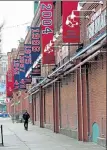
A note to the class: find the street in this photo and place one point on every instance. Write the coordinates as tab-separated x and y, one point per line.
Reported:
16	138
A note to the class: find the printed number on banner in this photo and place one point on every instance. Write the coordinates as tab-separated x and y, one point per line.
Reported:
46	7
47	30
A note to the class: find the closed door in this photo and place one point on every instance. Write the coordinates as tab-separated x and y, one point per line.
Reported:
95	132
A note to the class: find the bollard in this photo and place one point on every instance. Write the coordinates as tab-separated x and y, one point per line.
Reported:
2	135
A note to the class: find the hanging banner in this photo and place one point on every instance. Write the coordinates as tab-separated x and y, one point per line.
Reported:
71	22
36	49
48	56
16	73
22	84
9	83
35	41
28	61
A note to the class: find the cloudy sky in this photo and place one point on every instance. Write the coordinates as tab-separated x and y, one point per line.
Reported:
14	13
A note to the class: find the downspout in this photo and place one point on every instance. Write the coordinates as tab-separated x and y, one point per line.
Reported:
93	49
41	109
56	107
88	102
60	116
33	109
54	122
83	62
44	106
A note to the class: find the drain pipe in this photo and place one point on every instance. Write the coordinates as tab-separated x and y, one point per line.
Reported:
83	62
93	49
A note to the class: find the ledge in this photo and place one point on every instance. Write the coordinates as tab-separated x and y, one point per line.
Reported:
101	141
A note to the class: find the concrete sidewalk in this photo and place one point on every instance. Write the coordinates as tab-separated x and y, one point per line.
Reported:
16	138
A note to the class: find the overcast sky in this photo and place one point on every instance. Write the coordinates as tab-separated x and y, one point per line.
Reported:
14	13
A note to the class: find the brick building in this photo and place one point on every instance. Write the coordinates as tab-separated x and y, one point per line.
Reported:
71	99
74	102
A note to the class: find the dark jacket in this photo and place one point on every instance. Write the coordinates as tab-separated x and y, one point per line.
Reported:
26	116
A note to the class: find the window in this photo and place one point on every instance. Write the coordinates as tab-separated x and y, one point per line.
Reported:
4	67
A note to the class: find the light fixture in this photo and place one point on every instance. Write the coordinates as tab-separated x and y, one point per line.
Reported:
56	35
79	7
101	2
54	39
61	30
87	17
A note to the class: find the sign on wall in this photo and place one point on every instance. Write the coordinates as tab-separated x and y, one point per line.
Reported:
47	32
71	26
97	24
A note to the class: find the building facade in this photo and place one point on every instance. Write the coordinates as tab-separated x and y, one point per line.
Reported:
3	69
74	102
71	98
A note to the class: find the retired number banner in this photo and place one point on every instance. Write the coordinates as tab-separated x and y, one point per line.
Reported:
16	66
22	84
71	24
47	32
9	83
28	61
36	49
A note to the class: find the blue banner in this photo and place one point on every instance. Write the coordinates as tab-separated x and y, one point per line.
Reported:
36	48
28	61
22	84
16	66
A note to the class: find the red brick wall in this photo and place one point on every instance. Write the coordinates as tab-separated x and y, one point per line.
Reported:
97	94
37	107
68	103
49	105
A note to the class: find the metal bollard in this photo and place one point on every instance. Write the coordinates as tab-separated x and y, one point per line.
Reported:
2	135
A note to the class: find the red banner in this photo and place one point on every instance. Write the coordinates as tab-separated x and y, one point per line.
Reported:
71	22
9	83
48	56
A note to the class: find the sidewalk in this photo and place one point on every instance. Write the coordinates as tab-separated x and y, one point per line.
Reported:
16	138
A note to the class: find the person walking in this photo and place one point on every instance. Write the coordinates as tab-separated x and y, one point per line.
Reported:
26	117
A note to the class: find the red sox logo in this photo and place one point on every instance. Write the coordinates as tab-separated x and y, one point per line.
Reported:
71	22
48	49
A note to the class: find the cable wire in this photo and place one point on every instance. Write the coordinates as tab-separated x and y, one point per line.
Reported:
15	26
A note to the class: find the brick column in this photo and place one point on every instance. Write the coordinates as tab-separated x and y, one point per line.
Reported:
33	109
84	105
41	108
55	107
79	103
